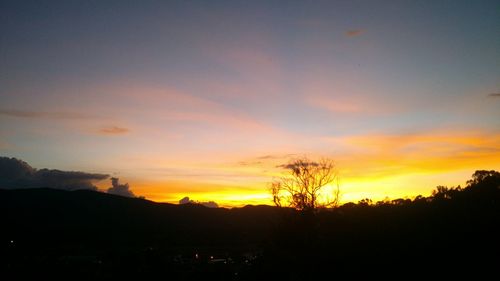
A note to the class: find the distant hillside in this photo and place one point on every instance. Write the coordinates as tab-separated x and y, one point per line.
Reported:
55	232
85	216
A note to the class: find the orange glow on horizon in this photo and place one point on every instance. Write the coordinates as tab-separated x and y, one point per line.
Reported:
371	166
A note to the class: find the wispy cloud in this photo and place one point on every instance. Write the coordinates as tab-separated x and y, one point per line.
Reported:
266	157
44	114
113	130
354	32
374	155
276	156
245	163
178	106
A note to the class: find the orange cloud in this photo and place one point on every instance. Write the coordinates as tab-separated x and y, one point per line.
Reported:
186	145
354	32
424	152
411	164
163	103
373	165
113	130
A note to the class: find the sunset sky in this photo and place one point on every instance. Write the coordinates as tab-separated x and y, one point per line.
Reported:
206	98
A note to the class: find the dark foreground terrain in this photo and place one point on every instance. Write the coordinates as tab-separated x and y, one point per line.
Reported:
48	233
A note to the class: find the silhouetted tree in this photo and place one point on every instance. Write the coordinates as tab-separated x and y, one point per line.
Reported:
442	192
481	176
365	202
306	184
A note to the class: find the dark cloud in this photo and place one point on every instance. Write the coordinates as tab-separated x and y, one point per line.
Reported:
354	32
113	130
244	163
494	95
43	114
209	204
17	174
267	157
294	166
185	200
264	159
120	189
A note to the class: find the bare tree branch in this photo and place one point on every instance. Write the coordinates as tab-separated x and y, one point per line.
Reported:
302	185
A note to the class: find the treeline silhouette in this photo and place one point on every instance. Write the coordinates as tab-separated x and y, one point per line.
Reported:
53	233
453	231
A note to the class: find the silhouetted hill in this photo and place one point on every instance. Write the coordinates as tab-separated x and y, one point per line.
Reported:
93	234
58	226
126	222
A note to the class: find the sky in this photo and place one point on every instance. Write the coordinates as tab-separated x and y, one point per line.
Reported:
207	99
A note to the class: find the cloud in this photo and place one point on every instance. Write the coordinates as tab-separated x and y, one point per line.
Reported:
185	200
354	32
192	117
265	159
43	114
494	95
120	189
245	163
209	204
294	166
390	155
17	174
113	130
